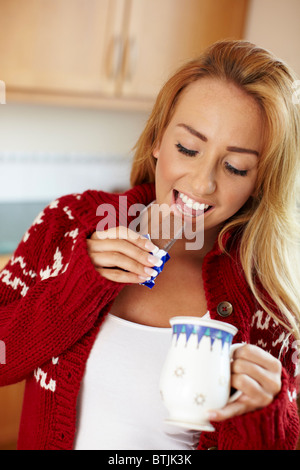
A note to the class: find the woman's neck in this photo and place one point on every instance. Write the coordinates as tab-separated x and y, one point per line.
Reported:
184	247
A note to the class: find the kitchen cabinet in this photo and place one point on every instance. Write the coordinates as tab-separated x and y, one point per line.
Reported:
11	399
105	52
163	34
55	46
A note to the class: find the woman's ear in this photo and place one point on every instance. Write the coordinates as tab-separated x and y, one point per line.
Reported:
156	151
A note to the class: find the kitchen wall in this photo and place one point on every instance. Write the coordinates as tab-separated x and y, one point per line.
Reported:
47	151
53	146
275	25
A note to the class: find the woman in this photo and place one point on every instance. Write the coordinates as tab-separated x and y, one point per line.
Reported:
221	144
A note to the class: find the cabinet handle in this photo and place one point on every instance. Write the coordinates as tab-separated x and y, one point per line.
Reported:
114	57
131	56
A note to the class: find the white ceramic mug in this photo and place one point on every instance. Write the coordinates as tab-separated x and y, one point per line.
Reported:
196	375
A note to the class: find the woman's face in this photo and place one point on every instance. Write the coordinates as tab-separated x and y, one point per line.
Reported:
207	159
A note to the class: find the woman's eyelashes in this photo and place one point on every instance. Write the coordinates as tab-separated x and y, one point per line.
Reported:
185	151
192	153
234	170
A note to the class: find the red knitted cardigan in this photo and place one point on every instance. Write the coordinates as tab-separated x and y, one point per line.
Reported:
53	301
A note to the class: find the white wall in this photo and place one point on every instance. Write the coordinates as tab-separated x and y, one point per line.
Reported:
47	151
275	25
51	129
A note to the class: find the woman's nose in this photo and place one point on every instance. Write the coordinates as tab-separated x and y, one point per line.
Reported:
204	181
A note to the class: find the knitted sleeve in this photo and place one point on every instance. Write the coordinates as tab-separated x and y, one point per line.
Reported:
50	293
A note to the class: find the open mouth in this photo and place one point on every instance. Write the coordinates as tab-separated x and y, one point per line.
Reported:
188	206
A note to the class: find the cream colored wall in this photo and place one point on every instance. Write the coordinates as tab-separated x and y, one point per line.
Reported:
64	150
275	25
35	128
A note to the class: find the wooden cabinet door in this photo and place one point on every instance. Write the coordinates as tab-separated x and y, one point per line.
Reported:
58	46
11	400
88	50
161	34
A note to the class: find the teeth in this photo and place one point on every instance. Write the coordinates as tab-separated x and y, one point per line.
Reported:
192	204
184	198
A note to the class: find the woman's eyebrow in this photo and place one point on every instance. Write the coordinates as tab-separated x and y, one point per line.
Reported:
242	150
193	131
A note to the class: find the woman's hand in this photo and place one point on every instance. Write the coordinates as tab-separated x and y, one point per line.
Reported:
121	255
257	374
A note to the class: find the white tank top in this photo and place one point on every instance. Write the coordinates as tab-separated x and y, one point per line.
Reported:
119	405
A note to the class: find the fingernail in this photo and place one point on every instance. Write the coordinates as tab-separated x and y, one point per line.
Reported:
150	271
155	260
151	247
144	278
155	250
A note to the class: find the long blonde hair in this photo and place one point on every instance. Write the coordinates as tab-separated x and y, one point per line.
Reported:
269	222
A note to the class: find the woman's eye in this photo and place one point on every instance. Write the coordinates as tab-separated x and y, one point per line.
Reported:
234	170
185	151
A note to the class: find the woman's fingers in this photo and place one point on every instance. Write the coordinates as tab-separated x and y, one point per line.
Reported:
121	255
260	365
124	233
265	378
116	259
257	374
139	253
258	356
129	256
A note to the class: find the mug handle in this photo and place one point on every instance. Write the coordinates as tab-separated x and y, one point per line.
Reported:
238	393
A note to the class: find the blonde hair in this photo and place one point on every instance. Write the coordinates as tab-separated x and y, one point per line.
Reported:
269	223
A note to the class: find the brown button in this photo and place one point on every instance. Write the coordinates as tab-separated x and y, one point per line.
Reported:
224	309
212	448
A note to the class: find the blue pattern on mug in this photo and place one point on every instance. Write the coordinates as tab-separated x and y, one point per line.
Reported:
200	331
